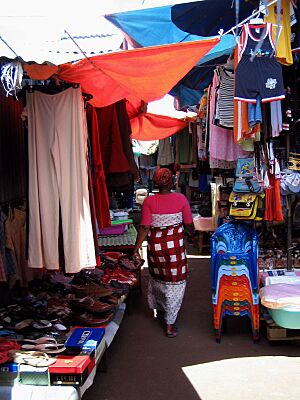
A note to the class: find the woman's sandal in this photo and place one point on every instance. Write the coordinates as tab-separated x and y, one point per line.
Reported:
34	358
41	340
173	332
48	348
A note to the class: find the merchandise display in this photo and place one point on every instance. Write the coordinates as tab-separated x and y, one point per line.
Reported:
234	274
110	161
41	342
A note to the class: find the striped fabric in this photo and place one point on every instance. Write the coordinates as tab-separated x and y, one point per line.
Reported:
225	99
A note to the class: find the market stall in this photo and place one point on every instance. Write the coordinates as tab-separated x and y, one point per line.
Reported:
71	167
242	115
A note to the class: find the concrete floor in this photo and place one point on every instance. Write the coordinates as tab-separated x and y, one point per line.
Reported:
143	364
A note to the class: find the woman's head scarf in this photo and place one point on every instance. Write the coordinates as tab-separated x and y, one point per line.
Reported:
162	177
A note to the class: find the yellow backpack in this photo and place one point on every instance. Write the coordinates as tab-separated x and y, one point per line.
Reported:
247	206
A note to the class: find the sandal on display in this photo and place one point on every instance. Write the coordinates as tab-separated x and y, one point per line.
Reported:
58	325
49	348
23	324
42	340
34	358
42	324
6	332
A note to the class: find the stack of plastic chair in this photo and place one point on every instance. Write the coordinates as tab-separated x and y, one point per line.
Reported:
234	275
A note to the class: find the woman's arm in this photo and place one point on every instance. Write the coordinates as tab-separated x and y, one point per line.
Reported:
142	234
190	229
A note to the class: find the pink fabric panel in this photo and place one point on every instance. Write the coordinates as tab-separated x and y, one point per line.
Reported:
221	145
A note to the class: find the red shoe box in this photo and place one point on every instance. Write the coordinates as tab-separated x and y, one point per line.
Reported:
71	370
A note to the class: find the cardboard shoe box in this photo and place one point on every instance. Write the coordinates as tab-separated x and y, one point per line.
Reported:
89	341
9	374
71	370
37	376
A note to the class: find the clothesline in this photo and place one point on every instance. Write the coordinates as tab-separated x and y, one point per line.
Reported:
262	8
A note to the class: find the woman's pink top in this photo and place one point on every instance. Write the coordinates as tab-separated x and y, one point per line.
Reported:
162	204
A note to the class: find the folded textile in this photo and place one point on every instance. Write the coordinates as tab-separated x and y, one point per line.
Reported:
280	295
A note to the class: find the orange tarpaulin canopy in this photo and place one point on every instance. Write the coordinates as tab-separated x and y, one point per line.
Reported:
146	73
147	126
154	127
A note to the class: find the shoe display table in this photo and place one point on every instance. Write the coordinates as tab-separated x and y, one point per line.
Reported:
28	392
31	392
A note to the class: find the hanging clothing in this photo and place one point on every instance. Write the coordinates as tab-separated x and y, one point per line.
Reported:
243	133
97	175
215	163
202	128
3	277
116	149
165	152
125	130
258	72
255	113
147	161
273	210
57	156
93	216
2	270
146	147
15	232
183	145
114	159
225	98
221	143
276	118
283	47
186	146
6	254
295	27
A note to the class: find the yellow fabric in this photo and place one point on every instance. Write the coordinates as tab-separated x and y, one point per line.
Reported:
283	47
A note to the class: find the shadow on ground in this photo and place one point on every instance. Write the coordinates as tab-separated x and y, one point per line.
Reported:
143	364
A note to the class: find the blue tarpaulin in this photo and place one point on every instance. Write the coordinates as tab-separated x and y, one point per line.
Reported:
183	23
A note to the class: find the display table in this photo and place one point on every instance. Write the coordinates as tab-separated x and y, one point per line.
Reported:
30	392
126	241
27	392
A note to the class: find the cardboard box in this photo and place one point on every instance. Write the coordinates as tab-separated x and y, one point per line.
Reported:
96	354
86	341
9	374
37	376
71	370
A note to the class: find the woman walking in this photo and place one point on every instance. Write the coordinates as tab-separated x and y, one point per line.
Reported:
163	216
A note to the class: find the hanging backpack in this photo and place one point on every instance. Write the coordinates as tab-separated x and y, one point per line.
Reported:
247	206
244	177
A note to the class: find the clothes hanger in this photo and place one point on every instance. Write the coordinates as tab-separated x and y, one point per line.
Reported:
257	20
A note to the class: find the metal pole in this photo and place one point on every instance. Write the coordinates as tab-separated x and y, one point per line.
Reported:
288	216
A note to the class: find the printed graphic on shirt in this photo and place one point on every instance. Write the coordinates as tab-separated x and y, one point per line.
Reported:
260	53
271	83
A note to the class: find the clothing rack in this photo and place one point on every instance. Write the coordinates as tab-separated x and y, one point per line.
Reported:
63	85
